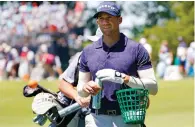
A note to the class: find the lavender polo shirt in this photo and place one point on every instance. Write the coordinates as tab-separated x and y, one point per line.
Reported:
125	56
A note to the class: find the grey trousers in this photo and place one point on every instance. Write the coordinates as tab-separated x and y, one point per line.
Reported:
93	120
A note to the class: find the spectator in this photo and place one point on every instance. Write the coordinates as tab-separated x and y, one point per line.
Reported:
24	70
190	59
2	63
181	54
165	59
147	46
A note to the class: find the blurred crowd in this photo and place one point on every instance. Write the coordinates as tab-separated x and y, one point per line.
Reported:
34	33
23	18
37	40
170	67
28	19
178	66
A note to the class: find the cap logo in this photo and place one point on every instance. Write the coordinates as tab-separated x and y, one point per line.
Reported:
106	6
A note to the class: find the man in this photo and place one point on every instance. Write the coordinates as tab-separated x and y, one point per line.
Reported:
116	61
181	54
69	80
190	59
146	45
66	96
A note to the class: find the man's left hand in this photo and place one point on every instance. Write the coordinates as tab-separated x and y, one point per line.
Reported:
83	101
111	75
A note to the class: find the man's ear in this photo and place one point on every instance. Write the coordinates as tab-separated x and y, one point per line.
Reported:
120	20
97	21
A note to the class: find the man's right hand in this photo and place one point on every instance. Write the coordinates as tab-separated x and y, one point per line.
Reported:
91	88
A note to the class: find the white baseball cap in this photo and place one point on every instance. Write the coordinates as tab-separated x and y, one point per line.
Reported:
143	41
97	35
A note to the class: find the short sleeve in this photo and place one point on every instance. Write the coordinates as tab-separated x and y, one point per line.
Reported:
69	73
143	58
83	62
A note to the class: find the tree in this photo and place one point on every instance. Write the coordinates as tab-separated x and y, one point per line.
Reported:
182	25
156	12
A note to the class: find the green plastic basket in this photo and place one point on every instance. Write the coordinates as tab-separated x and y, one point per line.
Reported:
133	103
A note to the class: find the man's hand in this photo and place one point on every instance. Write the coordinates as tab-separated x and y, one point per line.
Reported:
91	88
83	101
111	75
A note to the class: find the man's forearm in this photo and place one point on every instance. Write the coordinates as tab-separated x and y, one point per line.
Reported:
67	89
149	84
80	90
84	77
147	80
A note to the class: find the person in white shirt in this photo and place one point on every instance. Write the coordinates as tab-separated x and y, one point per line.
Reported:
147	46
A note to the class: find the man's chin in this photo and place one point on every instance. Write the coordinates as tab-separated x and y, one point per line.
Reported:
108	33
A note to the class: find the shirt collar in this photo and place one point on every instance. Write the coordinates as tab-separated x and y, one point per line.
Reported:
123	39
98	44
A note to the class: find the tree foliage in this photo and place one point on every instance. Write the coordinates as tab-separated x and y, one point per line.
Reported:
182	25
156	13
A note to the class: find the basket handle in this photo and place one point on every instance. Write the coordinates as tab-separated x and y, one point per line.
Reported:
124	86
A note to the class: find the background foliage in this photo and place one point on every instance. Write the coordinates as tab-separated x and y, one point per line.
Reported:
176	20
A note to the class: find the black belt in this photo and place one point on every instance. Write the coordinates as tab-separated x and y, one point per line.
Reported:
106	112
105	109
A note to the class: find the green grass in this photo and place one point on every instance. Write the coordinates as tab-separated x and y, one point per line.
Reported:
15	109
171	107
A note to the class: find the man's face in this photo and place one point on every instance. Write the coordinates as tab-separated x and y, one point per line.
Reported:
108	24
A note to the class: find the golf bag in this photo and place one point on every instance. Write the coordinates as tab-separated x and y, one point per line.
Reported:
60	100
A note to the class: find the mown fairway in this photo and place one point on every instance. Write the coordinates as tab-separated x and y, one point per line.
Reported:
171	107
